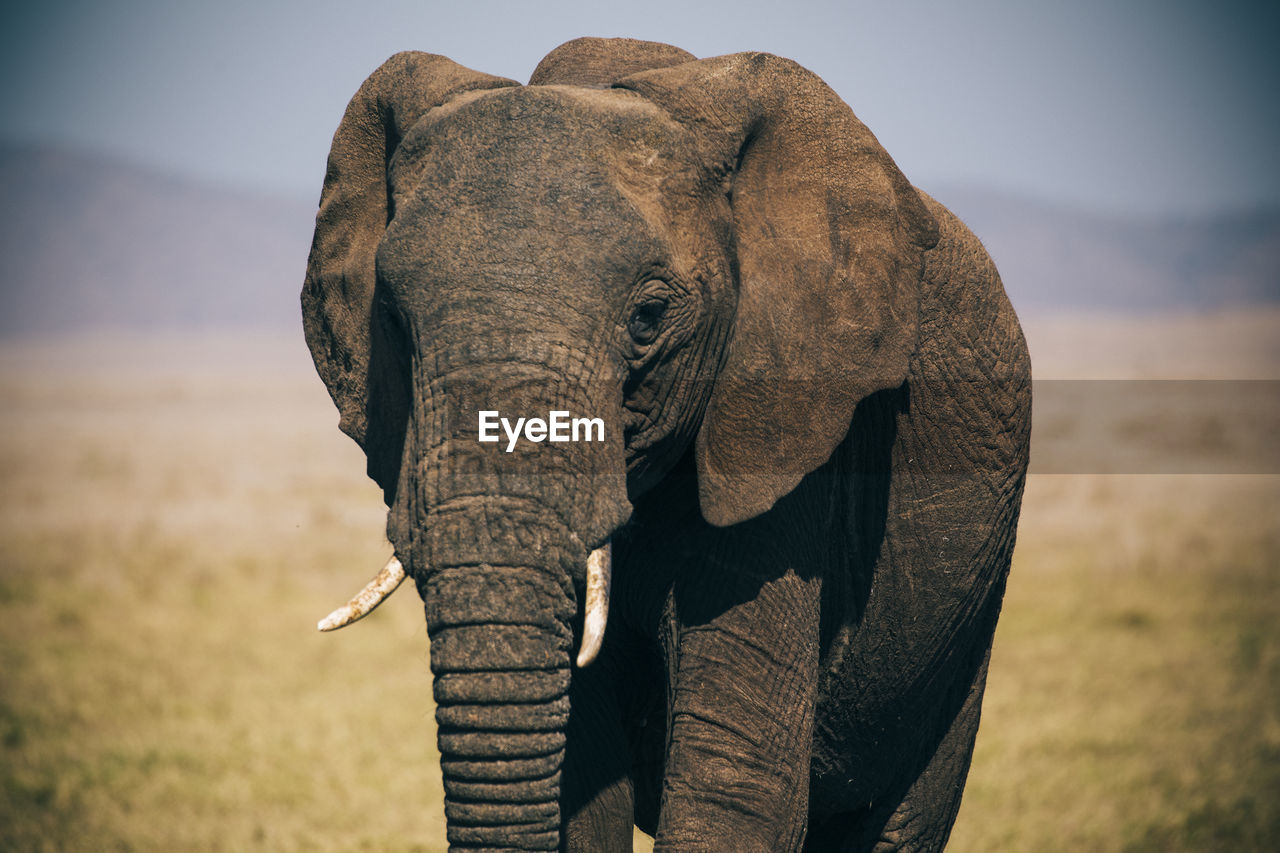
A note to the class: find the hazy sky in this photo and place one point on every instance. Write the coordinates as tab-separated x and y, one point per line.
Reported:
1148	105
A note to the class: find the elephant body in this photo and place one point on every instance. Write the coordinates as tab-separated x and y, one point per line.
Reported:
816	408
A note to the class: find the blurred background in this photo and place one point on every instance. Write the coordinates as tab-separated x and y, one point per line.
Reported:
177	505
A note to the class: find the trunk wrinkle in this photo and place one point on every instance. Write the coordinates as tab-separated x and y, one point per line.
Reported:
504	770
488	743
507	717
501	687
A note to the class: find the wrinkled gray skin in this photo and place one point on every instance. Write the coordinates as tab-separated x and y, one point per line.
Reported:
817	407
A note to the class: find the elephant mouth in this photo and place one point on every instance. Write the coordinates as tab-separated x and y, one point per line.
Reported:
595	609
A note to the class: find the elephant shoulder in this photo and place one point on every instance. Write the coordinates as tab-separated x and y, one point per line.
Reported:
964	307
959	266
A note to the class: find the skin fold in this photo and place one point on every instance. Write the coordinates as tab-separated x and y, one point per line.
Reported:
815	400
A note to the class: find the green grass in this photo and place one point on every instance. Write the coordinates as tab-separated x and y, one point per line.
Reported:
170	534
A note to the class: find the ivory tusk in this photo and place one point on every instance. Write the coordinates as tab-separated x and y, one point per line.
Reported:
383	584
599	572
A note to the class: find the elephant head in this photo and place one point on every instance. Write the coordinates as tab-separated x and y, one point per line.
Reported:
711	257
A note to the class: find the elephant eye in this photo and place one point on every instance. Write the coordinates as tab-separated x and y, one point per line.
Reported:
646	321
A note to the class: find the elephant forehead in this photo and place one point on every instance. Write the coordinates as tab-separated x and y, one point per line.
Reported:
517	224
535	179
544	144
569	115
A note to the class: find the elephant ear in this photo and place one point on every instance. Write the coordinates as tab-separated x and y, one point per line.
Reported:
346	339
597	63
830	240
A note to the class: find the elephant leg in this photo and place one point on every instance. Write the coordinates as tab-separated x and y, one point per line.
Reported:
597	798
737	771
922	819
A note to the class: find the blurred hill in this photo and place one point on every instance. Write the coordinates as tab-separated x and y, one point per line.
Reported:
87	242
1053	258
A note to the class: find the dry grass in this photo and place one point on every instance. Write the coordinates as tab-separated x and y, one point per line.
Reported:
178	513
1134	696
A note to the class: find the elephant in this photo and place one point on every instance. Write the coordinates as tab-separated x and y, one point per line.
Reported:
748	606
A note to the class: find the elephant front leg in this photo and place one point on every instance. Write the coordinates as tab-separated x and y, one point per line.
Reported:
742	707
597	796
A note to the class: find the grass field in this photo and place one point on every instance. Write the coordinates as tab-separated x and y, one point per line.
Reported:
176	514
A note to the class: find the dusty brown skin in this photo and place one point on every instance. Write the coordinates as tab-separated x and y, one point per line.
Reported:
817	406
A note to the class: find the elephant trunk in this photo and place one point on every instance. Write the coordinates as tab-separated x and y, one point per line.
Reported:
497	537
501	691
500	604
